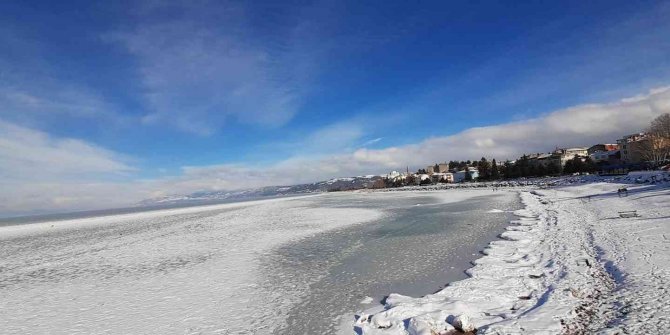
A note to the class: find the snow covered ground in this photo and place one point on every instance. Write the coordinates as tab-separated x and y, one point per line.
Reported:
220	269
190	270
413	250
570	264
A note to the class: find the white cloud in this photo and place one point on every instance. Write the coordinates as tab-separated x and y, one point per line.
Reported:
372	141
39	171
49	99
21	197
577	126
43	172
27	154
334	138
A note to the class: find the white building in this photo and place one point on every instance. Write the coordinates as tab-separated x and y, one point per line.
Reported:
396	177
631	147
567	154
441	168
459	176
441	177
421	178
393	175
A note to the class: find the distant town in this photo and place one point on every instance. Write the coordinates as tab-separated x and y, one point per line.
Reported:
645	150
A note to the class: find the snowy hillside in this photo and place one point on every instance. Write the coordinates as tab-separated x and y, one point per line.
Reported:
335	184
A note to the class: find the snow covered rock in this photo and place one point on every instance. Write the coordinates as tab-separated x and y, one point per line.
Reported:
429	324
380	321
419	326
463	323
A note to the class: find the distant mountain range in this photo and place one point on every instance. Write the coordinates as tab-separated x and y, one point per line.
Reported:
336	184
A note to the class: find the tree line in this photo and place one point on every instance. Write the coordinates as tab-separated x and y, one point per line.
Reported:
655	148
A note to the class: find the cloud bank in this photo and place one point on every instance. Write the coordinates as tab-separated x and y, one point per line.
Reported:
39	172
576	126
43	172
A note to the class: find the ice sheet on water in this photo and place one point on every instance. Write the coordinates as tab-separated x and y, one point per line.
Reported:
207	269
414	250
174	271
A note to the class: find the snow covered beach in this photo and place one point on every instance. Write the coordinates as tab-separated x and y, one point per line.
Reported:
414	249
273	266
190	270
570	264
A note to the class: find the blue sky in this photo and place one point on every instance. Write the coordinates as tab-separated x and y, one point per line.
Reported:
152	93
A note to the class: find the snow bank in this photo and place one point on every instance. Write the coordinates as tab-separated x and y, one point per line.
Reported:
570	264
529	281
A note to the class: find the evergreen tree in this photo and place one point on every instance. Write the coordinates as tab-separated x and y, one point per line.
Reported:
578	165
591	166
522	166
569	167
507	170
468	175
513	170
484	169
495	174
554	168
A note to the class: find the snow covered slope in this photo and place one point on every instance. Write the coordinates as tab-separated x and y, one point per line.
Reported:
336	184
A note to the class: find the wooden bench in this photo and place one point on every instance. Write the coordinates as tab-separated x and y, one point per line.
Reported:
628	214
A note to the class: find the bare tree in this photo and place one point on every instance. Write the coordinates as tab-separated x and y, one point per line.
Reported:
655	146
661	126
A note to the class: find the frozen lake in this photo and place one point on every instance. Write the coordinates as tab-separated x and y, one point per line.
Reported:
289	266
419	245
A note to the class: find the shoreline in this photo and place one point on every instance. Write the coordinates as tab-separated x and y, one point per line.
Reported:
557	270
346	323
568	263
529	297
412	251
118	272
